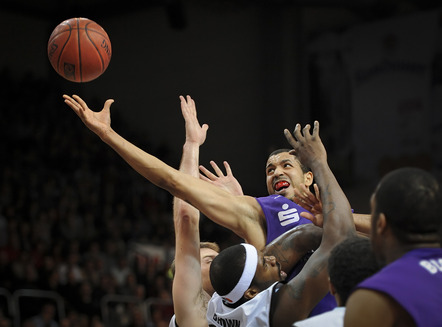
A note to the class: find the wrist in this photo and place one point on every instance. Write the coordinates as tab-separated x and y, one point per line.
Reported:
191	144
105	135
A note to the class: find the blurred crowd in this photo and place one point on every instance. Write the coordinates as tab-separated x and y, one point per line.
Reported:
72	212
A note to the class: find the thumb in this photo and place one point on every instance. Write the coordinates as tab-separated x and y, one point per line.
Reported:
108	104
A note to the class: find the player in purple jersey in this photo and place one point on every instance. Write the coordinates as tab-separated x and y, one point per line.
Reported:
405	234
246	281
285	175
265	218
191	285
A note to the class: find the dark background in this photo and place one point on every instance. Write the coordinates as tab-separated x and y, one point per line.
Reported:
370	71
248	64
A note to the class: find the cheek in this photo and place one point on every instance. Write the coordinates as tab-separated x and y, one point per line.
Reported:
205	269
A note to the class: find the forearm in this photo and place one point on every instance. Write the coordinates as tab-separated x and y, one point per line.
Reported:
362	223
294	244
145	164
335	204
189	165
218	205
189	299
187	287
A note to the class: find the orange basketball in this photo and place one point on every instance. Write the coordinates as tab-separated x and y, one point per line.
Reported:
79	50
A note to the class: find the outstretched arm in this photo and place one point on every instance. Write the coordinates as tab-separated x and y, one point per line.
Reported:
189	299
241	214
305	290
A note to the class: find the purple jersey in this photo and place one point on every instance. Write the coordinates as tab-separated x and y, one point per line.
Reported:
282	215
415	282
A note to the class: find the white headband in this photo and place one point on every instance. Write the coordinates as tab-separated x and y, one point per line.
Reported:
247	275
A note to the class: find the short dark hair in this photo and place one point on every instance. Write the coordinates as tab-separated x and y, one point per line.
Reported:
304	169
411	200
226	269
350	262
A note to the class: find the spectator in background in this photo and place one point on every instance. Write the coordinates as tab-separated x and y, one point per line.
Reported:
37	195
46	318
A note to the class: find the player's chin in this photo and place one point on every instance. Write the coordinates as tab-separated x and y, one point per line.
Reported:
285	192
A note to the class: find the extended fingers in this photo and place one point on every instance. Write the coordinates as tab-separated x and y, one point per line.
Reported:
216	168
80	102
74	105
306	131
227	166
191	105
289	137
207	173
204	178
297	132
316	128
188	106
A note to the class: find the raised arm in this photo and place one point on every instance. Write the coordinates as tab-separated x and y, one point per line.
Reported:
305	290
189	299
241	214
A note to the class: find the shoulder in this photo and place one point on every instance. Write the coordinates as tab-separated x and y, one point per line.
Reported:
331	318
370	308
270	198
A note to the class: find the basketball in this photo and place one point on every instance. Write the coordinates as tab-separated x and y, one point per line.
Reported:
79	50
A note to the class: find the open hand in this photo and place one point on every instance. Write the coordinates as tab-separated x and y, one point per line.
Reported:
97	122
227	182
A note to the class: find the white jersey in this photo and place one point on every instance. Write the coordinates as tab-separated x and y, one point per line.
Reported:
333	318
253	313
172	322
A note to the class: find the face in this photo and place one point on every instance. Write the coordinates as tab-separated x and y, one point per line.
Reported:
268	271
207	255
284	174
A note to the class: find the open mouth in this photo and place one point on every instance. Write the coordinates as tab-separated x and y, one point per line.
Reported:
281	185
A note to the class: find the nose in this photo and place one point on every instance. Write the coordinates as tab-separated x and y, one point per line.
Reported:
278	171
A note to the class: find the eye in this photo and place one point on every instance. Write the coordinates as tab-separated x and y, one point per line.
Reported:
270	170
287	165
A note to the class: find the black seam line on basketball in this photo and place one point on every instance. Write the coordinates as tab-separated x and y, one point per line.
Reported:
96	48
79	50
62	49
81	29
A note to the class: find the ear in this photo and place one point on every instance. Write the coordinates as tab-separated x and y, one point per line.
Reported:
334	292
308	178
331	287
251	292
381	224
